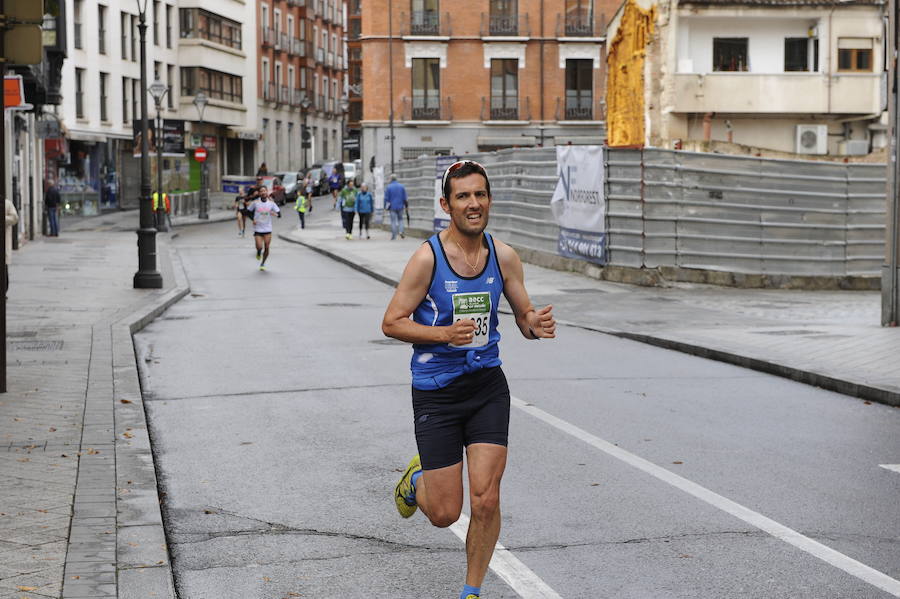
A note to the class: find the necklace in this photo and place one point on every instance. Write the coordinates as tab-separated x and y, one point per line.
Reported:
466	258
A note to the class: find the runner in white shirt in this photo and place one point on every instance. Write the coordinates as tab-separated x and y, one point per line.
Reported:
262	210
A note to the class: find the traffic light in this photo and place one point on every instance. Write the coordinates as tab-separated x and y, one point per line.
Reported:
23	42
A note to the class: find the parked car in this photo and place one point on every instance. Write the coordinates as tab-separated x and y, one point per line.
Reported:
291	183
351	173
276	189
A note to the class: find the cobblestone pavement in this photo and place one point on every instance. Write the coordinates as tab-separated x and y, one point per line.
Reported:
58	505
826	338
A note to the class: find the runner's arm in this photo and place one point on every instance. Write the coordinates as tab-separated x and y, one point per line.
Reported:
412	288
534	324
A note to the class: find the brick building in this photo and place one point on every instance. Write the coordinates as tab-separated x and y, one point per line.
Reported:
500	74
301	68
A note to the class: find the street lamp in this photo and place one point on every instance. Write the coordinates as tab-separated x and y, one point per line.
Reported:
200	101
147	277
158	90
305	103
345	106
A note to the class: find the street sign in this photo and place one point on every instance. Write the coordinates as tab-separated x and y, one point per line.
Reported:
47	129
24	41
200	154
13	91
305	145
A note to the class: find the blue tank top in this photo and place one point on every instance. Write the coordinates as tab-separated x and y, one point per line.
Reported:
451	297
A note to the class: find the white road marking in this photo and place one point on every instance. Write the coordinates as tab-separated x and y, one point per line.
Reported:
516	574
894	467
779	531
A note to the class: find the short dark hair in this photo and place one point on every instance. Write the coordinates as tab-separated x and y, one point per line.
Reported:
465	168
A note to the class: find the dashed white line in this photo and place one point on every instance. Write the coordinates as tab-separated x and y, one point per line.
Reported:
516	574
788	535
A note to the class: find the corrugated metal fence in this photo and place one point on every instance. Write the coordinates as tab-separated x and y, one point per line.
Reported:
687	210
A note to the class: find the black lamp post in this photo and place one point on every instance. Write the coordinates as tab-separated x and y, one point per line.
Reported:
345	106
147	277
158	90
200	101
305	103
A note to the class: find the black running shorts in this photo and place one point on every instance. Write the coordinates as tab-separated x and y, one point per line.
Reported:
474	408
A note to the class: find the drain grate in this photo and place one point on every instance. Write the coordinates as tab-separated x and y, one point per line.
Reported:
37	345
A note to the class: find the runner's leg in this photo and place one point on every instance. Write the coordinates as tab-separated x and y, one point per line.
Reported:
486	463
257	239
439	494
267	239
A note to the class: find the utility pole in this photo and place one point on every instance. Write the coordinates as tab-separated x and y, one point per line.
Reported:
391	78
890	273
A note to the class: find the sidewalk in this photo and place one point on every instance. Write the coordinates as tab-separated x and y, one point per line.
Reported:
79	510
831	339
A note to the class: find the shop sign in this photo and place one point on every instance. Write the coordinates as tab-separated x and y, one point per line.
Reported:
13	91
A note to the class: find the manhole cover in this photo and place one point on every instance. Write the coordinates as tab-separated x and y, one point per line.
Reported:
51	345
339	305
388	341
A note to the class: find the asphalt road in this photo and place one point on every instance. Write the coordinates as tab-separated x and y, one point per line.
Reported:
280	416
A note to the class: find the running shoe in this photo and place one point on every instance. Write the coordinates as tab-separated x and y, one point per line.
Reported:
259	257
404	493
470	596
261	267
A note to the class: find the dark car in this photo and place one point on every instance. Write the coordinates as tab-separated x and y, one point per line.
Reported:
291	182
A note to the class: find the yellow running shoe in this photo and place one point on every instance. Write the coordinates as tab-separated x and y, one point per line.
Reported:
404	495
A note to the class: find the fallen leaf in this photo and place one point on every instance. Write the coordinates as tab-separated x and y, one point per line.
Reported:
265	579
208	512
127	435
24	460
27	588
92	451
595	484
76	578
868	403
52	429
678	462
125	400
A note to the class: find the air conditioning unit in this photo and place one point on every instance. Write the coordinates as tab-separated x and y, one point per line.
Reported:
812	139
853	147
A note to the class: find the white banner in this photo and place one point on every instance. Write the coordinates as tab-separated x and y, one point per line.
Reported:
378	191
579	203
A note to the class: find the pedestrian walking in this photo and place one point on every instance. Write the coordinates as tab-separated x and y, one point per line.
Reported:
451	288
262	171
301	206
12	219
335	185
262	209
365	204
348	208
395	200
51	205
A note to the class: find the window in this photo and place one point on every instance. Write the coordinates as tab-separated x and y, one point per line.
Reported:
504	17
79	93
504	89
135	94
202	24
125	86
101	28
292	78
104	80
170	79
579	89
133	38
730	54
425	17
264	10
855	54
168	26
426	88
290	26
77	20
579	18
215	84
276	15
156	22
156	70
124	36
797	54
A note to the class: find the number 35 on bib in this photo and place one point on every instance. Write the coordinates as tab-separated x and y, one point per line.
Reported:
475	306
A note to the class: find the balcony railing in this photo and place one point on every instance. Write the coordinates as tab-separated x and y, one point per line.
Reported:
320	55
320	102
426	24
278	39
299	48
580	25
284	95
505	108
297	96
427	109
578	109
268	36
269	91
296	2
504	25
327	11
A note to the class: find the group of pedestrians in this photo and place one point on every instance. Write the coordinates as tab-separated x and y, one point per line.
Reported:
355	201
256	205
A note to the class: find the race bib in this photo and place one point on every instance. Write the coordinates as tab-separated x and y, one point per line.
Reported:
476	306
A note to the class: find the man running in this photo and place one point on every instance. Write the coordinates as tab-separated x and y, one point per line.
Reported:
262	209
451	287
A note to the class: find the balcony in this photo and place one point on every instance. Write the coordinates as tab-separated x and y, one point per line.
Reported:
578	109
580	26
505	109
268	37
320	55
320	102
327	11
781	93
299	48
284	95
297	96
425	24
296	2
278	39
269	91
430	110
494	25
329	59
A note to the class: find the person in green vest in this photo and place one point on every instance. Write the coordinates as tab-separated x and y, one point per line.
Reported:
302	206
348	207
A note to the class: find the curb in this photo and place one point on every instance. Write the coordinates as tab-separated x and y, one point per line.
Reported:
143	564
824	381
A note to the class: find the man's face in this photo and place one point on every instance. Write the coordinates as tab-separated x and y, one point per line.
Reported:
263	192
469	204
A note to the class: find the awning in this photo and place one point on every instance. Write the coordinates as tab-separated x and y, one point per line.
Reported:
76	135
243	133
506	141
